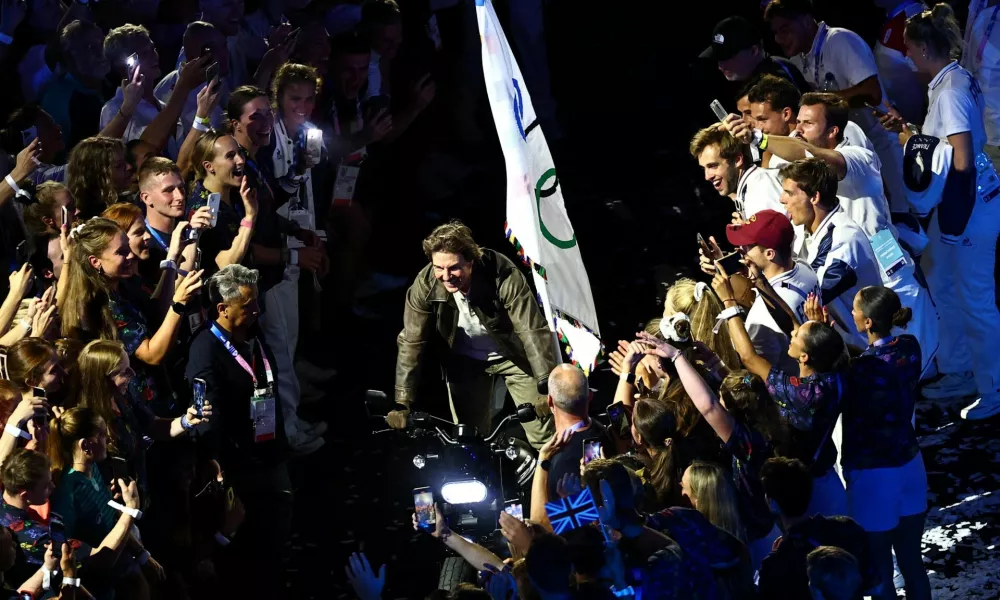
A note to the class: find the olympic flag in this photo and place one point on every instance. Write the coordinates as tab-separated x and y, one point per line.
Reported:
537	223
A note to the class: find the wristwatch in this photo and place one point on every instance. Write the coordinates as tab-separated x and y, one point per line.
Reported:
179	308
545	465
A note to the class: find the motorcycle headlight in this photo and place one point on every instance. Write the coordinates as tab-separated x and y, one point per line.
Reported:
468	491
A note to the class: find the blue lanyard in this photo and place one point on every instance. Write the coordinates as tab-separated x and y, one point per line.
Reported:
817	55
155	234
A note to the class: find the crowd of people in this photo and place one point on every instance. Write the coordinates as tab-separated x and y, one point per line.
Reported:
190	186
768	445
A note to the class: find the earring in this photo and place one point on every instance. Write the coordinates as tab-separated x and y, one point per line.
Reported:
100	269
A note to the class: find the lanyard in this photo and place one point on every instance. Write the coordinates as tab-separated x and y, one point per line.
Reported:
986	35
155	234
239	359
818	54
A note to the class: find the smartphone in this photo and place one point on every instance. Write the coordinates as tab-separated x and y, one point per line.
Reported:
878	110
514	509
618	417
732	262
591	450
3	365
38	392
197	259
28	135
132	63
206	50
21	254
65	216
703	244
423	504
119	469
190	234
314	144
57	533
377	103
214	200
198	389
719	111
211	73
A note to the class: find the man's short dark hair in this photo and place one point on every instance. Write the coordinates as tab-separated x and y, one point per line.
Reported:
813	175
779	92
23	469
788	9
453	238
787	482
835	572
837	110
549	564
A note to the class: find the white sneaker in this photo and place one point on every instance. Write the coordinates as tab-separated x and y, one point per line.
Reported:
983	408
305	448
952	385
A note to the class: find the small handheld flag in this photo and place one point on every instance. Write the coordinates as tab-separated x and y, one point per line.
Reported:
572	512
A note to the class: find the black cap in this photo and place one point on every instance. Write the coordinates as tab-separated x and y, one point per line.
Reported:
729	37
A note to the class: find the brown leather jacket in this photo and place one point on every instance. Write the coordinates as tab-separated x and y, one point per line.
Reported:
504	303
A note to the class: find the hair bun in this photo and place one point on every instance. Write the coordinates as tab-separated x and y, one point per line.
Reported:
940	12
902	316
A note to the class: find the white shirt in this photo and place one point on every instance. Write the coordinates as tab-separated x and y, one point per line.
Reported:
144	114
165	88
758	189
840	59
956	105
862	189
896	71
471	338
985	65
769	340
842	257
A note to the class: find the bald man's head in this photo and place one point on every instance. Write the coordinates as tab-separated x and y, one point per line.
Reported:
569	390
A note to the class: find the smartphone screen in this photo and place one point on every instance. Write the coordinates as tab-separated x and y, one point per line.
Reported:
57	533
618	417
28	135
198	388
214	200
211	73
423	504
514	509
119	468
38	392
132	62
591	450
65	216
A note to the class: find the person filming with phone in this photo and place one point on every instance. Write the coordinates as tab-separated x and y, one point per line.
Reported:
475	306
247	434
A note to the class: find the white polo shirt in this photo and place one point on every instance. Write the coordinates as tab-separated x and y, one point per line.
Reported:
861	190
842	257
956	105
793	286
144	114
758	189
982	58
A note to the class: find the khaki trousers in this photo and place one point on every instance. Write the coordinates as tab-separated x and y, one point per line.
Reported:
470	395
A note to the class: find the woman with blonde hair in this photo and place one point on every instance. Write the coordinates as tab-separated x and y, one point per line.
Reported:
94	307
696	300
104	381
97	174
711	492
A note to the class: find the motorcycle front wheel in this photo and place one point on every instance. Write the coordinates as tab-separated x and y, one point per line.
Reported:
455	571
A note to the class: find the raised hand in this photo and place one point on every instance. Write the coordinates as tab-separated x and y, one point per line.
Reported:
568	485
366	583
424	91
555	444
187	286
132	93
516	532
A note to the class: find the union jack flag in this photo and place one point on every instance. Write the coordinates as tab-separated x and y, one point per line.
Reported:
570	513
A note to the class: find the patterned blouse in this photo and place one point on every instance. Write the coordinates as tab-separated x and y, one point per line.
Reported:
810	405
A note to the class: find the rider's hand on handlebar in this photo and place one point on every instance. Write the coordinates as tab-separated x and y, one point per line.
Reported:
397	418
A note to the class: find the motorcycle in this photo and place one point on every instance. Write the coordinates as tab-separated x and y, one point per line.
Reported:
472	477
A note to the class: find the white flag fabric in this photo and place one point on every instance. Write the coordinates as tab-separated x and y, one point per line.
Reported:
537	223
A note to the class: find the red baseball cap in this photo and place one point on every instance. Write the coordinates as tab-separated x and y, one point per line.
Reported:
768	228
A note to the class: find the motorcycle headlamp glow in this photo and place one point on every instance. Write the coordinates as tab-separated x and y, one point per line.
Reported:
468	491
